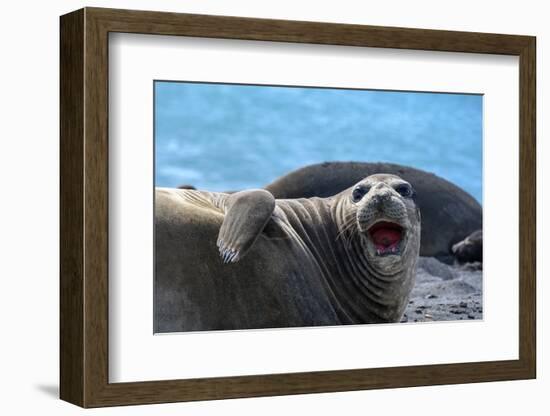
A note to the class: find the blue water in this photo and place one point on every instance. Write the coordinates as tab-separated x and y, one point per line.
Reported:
228	137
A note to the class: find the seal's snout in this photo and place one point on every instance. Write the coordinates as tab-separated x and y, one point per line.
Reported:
381	197
387	221
382	204
382	218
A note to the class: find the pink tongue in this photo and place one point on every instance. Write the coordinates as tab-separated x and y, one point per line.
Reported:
386	237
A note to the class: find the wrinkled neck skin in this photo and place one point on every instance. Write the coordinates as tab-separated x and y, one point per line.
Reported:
380	287
359	291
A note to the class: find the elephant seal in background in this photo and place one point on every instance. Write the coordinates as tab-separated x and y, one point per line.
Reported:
470	249
246	260
449	214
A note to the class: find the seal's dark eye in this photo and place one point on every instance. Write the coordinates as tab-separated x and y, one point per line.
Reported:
404	190
358	193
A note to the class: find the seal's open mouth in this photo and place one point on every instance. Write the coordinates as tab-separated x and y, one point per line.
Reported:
387	237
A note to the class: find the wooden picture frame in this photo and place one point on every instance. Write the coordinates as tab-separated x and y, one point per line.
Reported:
84	207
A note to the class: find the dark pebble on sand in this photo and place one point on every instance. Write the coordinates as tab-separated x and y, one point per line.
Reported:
456	312
419	311
431	296
463	304
470	316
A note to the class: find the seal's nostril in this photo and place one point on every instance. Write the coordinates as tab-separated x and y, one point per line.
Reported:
381	197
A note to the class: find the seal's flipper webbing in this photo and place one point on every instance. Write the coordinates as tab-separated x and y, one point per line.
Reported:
246	215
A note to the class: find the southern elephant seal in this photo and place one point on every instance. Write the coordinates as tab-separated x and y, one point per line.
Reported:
246	260
449	214
470	249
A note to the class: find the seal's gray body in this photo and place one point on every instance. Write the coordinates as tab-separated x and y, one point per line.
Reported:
449	214
300	270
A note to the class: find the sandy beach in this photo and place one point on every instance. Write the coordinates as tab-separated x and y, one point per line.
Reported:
445	293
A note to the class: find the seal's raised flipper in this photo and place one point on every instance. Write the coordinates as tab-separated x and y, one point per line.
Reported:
246	215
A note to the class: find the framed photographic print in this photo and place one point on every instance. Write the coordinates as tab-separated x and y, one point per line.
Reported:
255	207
